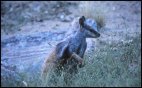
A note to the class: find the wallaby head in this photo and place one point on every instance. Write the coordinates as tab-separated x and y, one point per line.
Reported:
88	27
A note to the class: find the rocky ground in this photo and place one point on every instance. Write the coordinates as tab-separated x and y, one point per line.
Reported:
26	41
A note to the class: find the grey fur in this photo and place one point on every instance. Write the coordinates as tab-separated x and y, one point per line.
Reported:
68	54
76	43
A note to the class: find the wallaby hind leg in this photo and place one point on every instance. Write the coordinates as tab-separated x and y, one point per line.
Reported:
71	69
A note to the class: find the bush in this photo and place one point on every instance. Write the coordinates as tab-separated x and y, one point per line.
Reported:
108	66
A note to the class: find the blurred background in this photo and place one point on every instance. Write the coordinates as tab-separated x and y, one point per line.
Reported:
30	29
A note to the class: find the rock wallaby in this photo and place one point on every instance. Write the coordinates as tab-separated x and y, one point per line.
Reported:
69	52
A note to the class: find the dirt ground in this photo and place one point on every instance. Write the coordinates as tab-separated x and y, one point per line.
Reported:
26	47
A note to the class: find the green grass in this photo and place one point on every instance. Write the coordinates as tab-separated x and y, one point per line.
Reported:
108	66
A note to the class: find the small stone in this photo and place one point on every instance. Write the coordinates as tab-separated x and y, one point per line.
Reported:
25	84
58	6
62	17
39	20
68	18
46	12
113	8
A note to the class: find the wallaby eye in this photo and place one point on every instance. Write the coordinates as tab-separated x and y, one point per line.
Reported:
83	18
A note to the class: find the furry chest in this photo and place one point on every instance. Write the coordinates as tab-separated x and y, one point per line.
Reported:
75	47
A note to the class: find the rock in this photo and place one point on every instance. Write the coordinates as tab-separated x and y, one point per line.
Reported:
68	18
24	83
46	12
39	20
113	8
64	18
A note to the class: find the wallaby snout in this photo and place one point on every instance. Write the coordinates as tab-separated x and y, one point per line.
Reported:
97	35
90	27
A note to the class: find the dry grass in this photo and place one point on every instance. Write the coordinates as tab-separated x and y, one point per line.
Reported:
90	10
112	65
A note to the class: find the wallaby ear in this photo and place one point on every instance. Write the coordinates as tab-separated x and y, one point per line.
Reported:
81	20
61	48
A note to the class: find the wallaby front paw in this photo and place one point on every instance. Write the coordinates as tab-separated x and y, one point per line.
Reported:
81	65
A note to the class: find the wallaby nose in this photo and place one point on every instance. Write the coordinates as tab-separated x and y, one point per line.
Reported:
98	35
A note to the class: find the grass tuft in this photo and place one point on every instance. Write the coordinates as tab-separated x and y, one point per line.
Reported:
111	65
90	10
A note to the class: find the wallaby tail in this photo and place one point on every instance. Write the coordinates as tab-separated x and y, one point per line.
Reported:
48	64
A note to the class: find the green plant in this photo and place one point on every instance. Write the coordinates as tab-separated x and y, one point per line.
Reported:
116	64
